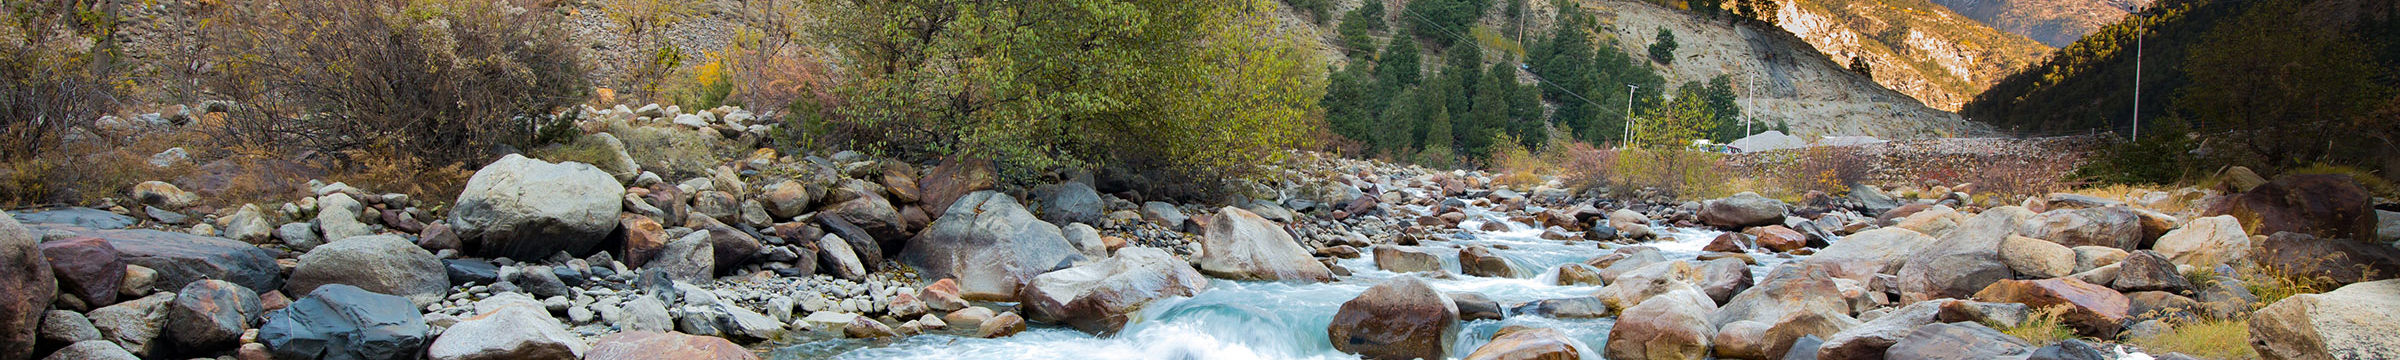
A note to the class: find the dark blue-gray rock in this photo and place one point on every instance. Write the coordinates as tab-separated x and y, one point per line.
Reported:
81	217
1959	340
210	315
1804	348
343	322
1067	203
164	216
471	271
181	258
523	208
2070	349
1564	308
2146	270
539	281
1475	306
991	245
863	244
385	264
569	276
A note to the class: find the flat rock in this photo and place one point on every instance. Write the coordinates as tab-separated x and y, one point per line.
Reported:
343	321
386	264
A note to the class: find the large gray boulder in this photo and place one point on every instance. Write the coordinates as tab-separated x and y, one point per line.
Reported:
1868	341
1069	202
181	259
1668	326
1100	297
1862	255
990	244
1240	245
2115	226
522	208
344	322
1401	318
337	215
1959	340
2354	322
26	288
2205	242
509	326
385	264
135	325
1743	210
1964	261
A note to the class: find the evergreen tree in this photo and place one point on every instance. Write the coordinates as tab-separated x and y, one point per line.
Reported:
1351	103
1399	64
1355	28
1372	12
1490	113
1707	8
1662	50
1395	133
1438	138
1726	114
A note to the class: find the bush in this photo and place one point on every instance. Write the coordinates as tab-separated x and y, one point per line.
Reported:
2209	339
1832	169
430	82
2042	327
55	72
1674	172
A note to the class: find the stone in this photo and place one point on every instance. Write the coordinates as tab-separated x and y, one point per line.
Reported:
2339	261
1164	214
866	328
2387	228
249	224
1400	318
2093	310
1961	340
1721	279
956	178
1671	326
875	215
1087	241
2147	270
1571	274
1067	203
88	268
645	313
164	195
1777	238
2094	257
1101	297
900	180
2355	321
1625	259
1474	306
1936	221
691	258
942	295
135	325
470	271
92	350
439	236
999	326
300	236
720	206
1863	255
337	216
137	282
838	259
2236	179
66	327
523	208
1989	313
27	287
1403	259
1240	245
1792	301
2325	206
2161	305
1562	308
1967	259
345	322
2115	227
1477	260
1869	340
539	280
507	326
2037	258
1743	210
179	258
642	345
730	248
211	315
1631	225
1526	343
386	264
2069	349
1633	287
970	317
991	245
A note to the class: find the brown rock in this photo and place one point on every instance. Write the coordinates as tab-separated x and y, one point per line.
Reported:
26	288
954	178
1525	343
1777	238
1726	242
1401	318
2093	310
2339	261
1479	261
88	268
644	238
1003	325
643	345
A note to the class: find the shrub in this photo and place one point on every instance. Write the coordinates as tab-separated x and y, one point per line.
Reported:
1832	169
2042	327
2208	339
1586	167
1675	172
431	83
55	71
1662	49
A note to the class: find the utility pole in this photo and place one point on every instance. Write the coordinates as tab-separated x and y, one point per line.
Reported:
2138	39
1628	143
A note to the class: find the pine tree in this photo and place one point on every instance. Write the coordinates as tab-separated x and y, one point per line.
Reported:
1400	62
1662	50
1490	113
1355	28
1394	133
1437	147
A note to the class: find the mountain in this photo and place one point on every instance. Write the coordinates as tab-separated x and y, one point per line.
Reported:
1917	47
2052	22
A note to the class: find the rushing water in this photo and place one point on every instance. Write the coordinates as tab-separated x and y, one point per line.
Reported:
1268	320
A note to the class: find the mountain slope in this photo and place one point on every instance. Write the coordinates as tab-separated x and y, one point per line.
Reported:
2052	22
1914	46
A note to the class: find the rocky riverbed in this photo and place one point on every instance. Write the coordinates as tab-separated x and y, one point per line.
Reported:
843	255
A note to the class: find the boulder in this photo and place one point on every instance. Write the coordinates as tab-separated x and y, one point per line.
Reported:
2326	206
1527	343
180	258
88	268
2148	271
1862	255
2387	228
1625	259
956	178
642	345
1164	214
990	244
1721	279
1792	301
386	264
92	350
788	199
1401	318
1869	340
1564	308
26	288
1960	340
1574	274
163	194
2206	242
2069	349
864	245
1476	260
1088	241
1964	261
1988	313
1240	245
522	208
1777	238
1100	297
1404	259
344	322
211	315
507	326
2093	310
1743	210
66	327
470	271
2161	305
337	216
1650	280
1631	225
1671	326
644	238
2037	258
135	325
81	217
1068	202
248	225
730	248
716	205
877	216
1003	325
2094	257
2116	227
2336	260
2353	322
691	259
1475	306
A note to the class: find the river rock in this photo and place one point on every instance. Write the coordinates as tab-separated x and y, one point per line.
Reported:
1648	281
1477	260
2094	257
991	245
1721	279
248	225
1625	259
1402	259
1961	340
27	287
1743	210
92	350
1574	274
1240	245
1671	326
1475	306
86	267
1003	325
691	258
2355	321
1401	318
386	264
522	208
881	220
956	178
2336	260
2146	270
2037	258
1088	242
1777	238
2327	206
787	199
644	238
1966	260
340	321
2115	227
1527	343
66	327
1068	202
180	258
211	315
2206	242
1100	297
163	194
730	248
135	325
2069	349
839	259
2093	310
337	216
642	345
1564	308
508	326
1869	340
1863	255
81	217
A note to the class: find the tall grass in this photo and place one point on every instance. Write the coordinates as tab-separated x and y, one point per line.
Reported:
2042	327
2208	339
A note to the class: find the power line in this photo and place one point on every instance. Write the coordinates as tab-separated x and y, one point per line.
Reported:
1537	77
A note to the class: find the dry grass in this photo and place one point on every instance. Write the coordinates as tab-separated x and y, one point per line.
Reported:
2209	339
2042	327
2272	283
2369	180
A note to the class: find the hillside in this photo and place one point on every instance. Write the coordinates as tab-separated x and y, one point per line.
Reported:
1917	47
2053	22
